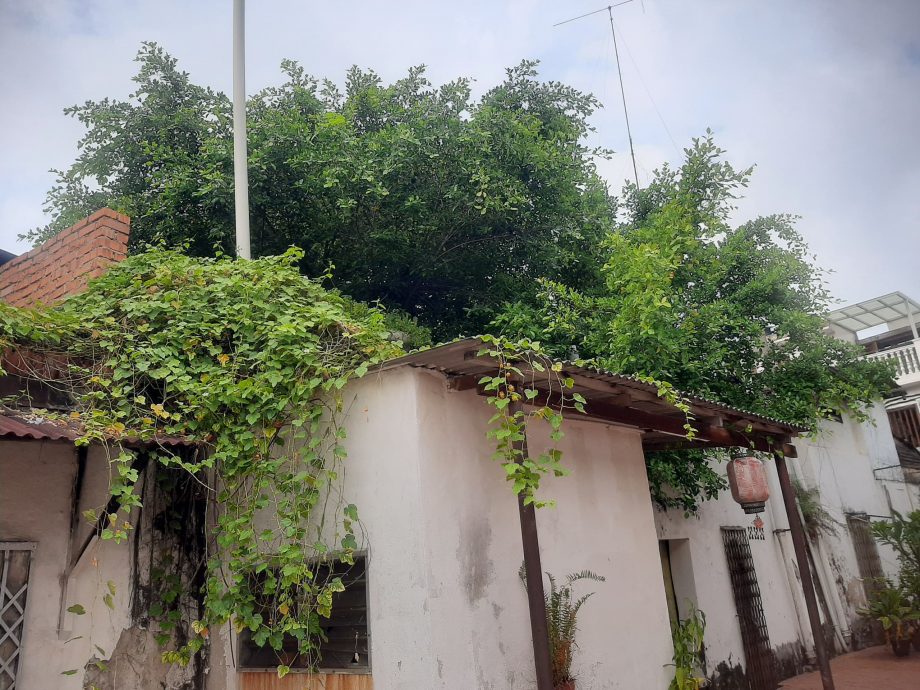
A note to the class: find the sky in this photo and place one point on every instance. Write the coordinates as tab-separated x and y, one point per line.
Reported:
822	96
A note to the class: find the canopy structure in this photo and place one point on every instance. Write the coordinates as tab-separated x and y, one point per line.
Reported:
618	399
623	400
893	308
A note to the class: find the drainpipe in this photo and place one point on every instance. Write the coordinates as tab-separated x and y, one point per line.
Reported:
833	607
534	574
801	557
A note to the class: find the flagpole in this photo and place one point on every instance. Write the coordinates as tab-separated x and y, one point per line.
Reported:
240	167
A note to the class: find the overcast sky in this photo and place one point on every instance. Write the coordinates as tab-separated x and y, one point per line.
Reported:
823	96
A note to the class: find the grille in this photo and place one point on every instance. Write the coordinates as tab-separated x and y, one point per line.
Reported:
15	563
760	663
867	560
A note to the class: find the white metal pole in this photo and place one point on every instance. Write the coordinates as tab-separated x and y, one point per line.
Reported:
240	167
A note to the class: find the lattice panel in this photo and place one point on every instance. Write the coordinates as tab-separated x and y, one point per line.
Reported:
15	564
760	662
867	558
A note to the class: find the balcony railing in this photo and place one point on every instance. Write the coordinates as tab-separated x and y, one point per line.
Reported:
907	361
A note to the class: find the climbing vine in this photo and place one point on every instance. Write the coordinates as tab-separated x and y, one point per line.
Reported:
216	388
527	386
247	361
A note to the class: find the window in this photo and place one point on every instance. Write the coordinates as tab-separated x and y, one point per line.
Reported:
15	564
867	558
345	647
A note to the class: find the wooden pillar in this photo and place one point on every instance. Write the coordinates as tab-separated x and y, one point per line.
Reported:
801	557
534	578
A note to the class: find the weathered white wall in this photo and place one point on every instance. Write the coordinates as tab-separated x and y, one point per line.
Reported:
447	609
37	489
854	465
36	484
851	465
712	584
840	462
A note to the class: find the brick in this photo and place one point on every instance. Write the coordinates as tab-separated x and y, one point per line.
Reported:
874	667
62	266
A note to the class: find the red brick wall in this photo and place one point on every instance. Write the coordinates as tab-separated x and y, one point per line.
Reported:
63	265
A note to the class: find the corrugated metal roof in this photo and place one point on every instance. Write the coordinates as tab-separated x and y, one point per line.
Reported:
443	357
604	391
31	424
34	427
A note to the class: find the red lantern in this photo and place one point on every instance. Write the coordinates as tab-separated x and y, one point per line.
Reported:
748	481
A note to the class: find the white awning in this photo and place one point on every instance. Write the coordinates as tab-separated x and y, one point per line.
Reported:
887	309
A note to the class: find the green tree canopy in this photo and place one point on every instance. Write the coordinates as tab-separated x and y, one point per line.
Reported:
733	313
475	214
434	203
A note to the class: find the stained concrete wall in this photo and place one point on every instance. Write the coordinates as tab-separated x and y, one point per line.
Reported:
446	606
37	491
843	461
855	468
701	575
36	485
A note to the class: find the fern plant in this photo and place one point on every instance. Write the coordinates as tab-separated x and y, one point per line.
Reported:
891	607
562	608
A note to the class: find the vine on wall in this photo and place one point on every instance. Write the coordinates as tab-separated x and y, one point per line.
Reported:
249	359
246	359
528	385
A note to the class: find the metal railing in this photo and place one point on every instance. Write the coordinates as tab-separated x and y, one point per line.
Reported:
906	358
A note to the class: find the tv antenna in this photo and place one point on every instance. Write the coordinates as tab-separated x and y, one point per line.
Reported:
616	54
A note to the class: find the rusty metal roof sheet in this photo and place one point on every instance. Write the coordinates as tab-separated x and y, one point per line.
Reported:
460	358
31	424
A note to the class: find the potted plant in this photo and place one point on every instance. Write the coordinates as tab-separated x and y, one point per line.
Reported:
891	607
561	621
902	533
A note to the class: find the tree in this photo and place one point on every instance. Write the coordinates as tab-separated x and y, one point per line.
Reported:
730	313
423	198
464	215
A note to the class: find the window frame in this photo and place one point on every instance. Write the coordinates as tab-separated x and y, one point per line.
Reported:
327	670
30	547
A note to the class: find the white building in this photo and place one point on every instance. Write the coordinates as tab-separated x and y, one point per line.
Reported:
439	601
856	472
445	607
887	327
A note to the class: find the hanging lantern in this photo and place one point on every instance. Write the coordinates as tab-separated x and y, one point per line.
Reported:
747	478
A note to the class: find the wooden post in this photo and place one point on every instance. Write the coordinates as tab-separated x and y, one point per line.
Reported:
534	578
801	557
